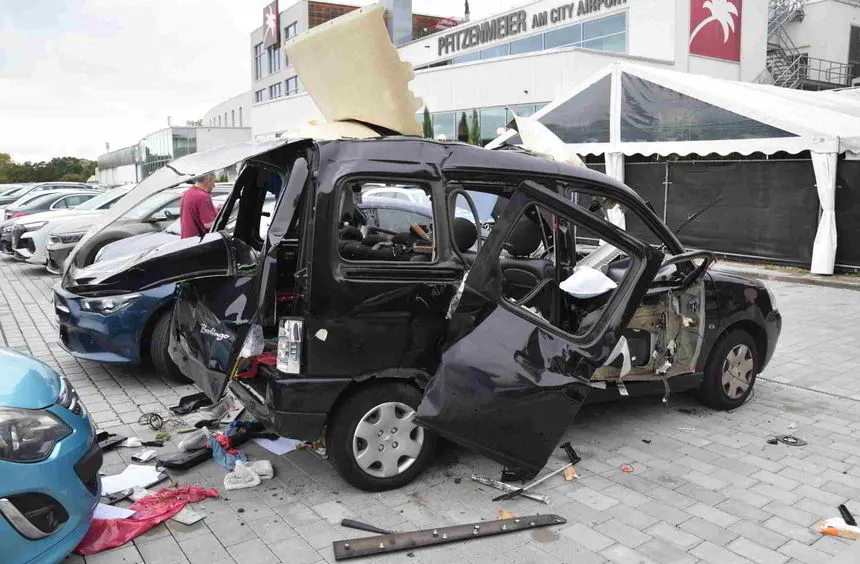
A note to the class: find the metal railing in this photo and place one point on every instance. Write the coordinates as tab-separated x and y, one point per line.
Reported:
781	12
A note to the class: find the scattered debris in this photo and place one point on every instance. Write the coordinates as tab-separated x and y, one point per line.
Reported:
574	459
508	488
157	422
626	468
685	428
104	511
108	441
687	410
791	440
110	499
792	426
353	524
646	441
457	480
248	474
846	515
353	548
195	440
570	474
773	441
144	455
223	451
134	475
504	514
278	446
187	404
162	436
837	527
149	512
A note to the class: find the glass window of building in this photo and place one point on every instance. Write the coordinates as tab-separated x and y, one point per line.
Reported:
258	61
258	96
274	56
491	120
602	27
240	116
219	120
476	56
444	123
494	52
564	37
275	91
615	43
527	45
232	118
292	84
290	31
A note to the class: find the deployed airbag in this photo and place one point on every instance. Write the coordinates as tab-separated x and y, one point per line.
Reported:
586	282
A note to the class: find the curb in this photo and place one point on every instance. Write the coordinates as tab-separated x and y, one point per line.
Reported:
805	279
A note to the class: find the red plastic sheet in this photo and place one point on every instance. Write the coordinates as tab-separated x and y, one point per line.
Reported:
267	358
150	511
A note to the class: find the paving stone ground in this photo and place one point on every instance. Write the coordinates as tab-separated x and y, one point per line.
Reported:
705	488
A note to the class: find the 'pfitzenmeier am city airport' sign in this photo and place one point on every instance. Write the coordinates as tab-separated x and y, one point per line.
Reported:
518	22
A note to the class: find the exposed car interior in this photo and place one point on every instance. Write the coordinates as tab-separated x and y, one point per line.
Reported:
370	230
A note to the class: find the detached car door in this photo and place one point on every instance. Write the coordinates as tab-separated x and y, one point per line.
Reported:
516	370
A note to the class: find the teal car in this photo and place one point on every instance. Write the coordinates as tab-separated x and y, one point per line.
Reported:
49	463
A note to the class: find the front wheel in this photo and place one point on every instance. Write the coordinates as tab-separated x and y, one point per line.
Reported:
373	440
730	372
158	344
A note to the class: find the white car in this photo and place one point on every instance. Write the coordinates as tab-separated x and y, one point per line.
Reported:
36	228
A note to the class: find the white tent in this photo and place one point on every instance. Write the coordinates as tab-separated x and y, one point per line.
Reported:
627	109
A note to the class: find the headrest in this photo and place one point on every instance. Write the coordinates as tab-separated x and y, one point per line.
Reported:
350	233
525	238
465	234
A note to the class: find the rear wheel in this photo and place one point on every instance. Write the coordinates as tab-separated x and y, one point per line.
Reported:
373	440
158	350
731	371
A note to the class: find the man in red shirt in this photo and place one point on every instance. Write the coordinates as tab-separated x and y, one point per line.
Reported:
196	210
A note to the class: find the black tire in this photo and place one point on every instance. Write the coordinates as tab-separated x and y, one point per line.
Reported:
158	344
713	392
340	436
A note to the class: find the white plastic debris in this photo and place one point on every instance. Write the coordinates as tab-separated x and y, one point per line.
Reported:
263	468
586	282
241	477
194	440
131	442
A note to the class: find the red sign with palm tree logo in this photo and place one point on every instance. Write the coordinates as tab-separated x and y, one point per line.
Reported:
715	29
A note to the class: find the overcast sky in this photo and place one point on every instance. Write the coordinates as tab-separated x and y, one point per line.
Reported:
75	74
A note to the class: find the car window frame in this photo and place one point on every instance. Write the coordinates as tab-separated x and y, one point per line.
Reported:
432	186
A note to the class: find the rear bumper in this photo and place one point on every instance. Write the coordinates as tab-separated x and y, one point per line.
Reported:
294	407
70	477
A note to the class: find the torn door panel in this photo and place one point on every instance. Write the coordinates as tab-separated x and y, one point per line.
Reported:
509	382
667	328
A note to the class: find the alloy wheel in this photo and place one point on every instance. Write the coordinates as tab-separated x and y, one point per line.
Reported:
386	441
738	370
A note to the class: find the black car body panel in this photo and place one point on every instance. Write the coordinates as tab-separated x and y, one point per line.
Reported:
496	380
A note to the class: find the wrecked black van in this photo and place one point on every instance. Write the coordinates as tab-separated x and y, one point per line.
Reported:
489	318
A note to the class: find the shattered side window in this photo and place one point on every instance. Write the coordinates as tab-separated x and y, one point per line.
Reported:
386	221
544	276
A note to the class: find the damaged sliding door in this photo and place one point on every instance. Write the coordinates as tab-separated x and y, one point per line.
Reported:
511	380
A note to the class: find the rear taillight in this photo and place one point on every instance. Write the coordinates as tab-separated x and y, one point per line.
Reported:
18	214
290	333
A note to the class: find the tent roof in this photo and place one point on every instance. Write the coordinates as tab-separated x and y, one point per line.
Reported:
653	110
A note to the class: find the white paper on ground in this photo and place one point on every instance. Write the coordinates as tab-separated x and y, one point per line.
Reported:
134	475
188	516
111	512
279	446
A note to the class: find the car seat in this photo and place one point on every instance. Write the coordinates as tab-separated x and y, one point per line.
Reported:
520	272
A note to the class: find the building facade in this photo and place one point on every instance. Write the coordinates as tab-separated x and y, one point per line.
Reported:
235	112
132	164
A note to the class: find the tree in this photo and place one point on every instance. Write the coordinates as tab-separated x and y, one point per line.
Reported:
58	168
463	129
427	125
475	129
